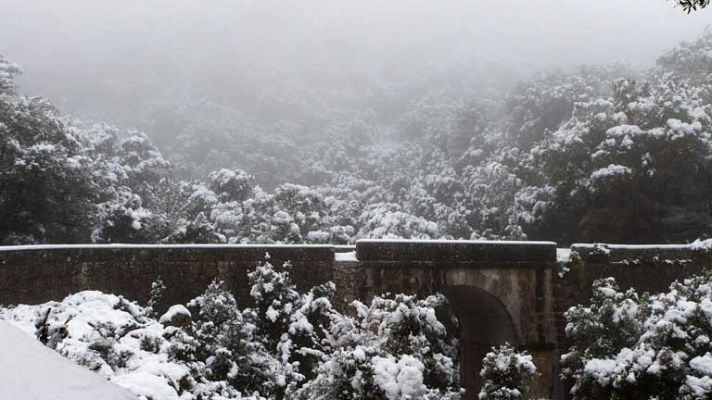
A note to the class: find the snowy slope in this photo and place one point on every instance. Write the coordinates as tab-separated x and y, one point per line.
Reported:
30	371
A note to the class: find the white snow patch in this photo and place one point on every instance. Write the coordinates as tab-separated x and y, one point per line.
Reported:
609	171
399	379
31	371
348	256
563	255
702	364
174	310
147	385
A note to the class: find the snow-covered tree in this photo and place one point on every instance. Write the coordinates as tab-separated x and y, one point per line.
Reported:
389	221
128	222
230	185
46	186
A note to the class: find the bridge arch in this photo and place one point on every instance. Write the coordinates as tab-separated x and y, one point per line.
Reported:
500	291
484	322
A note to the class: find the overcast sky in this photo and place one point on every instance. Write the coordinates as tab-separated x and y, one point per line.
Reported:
70	48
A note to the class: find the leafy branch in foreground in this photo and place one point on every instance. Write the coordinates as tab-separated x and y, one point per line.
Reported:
693	5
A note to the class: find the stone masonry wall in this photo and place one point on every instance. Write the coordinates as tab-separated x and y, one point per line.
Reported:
35	274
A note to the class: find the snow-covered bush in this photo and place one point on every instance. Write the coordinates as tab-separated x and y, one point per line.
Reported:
506	374
128	222
228	346
631	346
275	299
392	349
389	221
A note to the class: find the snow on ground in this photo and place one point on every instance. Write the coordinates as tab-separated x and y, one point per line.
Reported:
31	371
89	313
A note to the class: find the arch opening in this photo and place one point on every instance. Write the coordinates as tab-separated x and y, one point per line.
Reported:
484	322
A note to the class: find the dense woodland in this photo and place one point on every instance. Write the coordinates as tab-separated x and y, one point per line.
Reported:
600	153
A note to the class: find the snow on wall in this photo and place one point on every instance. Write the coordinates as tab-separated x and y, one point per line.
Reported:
457	242
696	245
161	246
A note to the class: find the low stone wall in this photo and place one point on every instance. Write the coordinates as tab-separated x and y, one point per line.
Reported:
35	274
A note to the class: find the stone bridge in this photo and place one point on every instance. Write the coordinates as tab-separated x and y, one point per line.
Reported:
500	291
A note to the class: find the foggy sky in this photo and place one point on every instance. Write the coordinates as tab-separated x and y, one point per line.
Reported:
87	55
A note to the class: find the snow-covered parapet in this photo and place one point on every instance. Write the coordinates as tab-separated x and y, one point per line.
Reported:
118	246
658	253
692	256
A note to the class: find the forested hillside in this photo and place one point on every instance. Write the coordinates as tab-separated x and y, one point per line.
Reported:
601	153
